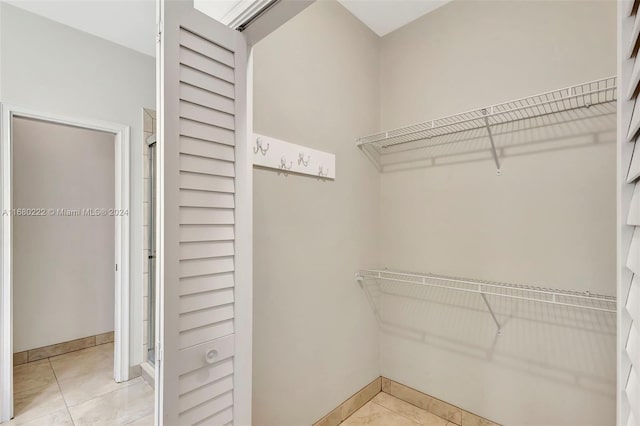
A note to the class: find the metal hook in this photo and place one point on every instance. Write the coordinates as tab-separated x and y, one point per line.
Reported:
283	163
302	161
322	172
260	148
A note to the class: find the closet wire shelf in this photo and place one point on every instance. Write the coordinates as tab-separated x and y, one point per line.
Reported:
582	101
574	299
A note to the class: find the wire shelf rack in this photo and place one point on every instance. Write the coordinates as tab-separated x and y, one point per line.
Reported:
573	299
582	101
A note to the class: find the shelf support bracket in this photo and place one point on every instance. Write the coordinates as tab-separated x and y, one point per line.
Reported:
493	315
360	280
493	145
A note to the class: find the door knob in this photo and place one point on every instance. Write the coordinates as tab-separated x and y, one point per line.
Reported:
211	356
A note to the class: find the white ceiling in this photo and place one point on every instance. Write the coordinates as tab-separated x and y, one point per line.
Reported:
131	23
385	16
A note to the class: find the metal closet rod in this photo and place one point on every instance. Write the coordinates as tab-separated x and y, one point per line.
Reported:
536	294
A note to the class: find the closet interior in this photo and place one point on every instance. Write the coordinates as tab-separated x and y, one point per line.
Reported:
483	243
408	146
404	302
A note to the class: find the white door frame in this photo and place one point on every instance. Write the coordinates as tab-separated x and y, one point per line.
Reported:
122	241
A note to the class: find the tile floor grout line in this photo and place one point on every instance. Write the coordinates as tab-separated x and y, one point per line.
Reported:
125	385
61	393
395	412
128	383
138	381
121	385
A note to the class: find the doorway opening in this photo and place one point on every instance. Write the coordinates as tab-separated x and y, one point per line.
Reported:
106	348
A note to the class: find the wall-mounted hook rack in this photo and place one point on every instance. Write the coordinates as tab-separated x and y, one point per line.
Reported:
302	161
260	147
278	154
283	163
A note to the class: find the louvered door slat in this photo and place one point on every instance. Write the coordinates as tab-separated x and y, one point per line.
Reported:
206	48
635	80
206	114
191	198
634	125
633	301
206	410
219	418
199	301
206	65
207	82
215	265
635	34
633	259
189	380
202	182
634	168
193	336
201	395
633	218
206	216
204	249
206	165
203	284
633	391
205	317
206	149
206	98
633	343
206	232
206	132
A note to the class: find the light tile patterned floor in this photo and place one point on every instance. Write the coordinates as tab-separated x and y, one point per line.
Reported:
387	410
77	389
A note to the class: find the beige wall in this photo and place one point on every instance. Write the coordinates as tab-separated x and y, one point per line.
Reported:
315	337
50	67
469	54
64	279
549	220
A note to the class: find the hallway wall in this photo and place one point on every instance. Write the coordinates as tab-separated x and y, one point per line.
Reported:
47	66
63	265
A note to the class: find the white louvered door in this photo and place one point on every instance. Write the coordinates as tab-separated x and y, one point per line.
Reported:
629	220
204	231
